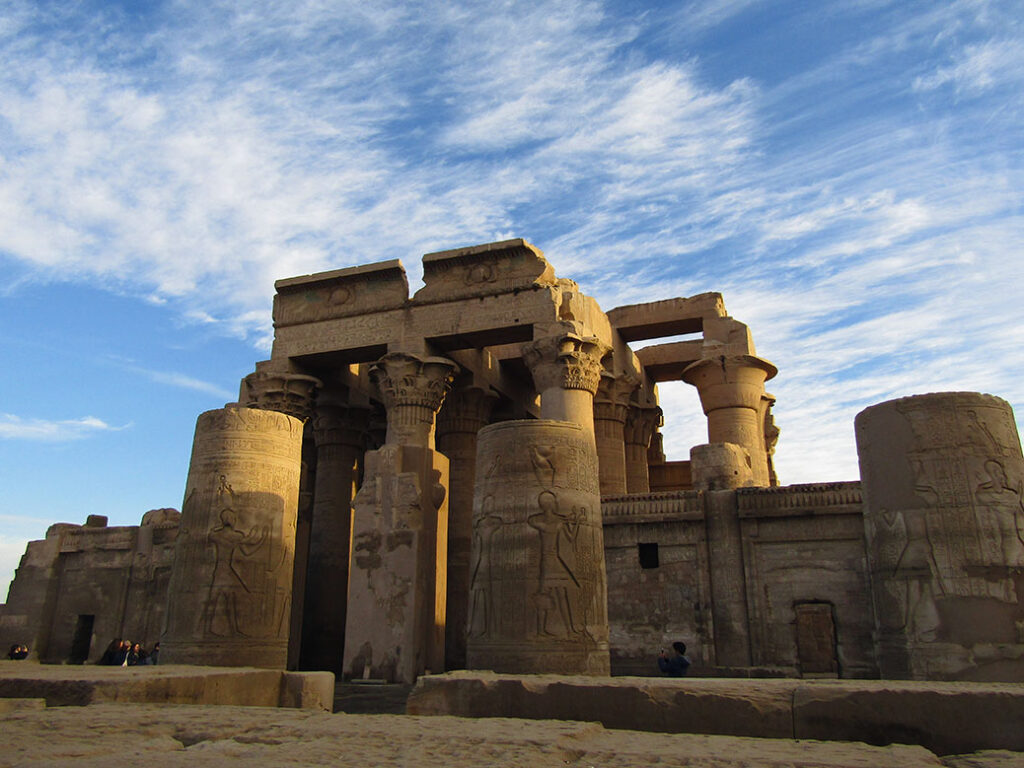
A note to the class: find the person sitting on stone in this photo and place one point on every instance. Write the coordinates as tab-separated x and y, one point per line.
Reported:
131	656
17	652
677	665
154	655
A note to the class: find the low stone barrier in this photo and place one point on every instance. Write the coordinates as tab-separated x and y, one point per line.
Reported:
171	684
946	718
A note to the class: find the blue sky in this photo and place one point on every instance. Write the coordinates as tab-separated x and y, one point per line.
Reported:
848	174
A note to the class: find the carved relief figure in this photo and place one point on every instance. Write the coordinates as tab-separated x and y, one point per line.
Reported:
1005	505
917	568
227	587
481	607
558	586
543	466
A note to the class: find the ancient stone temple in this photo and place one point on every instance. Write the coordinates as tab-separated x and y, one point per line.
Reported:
472	477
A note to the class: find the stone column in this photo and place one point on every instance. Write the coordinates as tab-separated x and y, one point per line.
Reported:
566	369
718	469
292	394
229	597
396	608
340	434
610	408
466	410
538	587
642	422
943	485
731	391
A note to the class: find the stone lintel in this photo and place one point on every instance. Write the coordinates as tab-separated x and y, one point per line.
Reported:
481	270
666	362
340	293
671	317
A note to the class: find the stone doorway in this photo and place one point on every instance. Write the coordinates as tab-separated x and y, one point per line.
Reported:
816	640
82	640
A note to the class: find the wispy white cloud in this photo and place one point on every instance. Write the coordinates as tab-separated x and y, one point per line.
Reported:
14	427
978	68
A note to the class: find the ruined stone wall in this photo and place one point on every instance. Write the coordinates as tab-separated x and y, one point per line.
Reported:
808	597
802	571
82	586
658	579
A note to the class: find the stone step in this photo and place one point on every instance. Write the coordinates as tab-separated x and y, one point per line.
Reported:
371	698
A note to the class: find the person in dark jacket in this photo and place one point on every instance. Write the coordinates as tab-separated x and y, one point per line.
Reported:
676	665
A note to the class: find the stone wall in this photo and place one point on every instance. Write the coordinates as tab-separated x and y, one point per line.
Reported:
84	585
802	571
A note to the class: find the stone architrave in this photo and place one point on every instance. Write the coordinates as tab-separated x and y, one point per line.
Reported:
538	590
340	434
395	628
642	422
566	369
465	411
611	405
943	484
731	389
229	598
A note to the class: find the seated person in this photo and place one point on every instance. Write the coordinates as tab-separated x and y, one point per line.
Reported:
676	665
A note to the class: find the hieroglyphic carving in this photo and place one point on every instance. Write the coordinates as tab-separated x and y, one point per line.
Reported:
942	482
558	587
1000	514
232	571
538	583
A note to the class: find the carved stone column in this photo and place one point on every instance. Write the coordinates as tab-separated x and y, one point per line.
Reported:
566	369
538	585
340	434
466	410
642	421
731	389
943	486
610	408
294	395
229	597
396	610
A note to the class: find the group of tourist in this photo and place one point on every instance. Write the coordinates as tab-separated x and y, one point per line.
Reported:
125	653
17	652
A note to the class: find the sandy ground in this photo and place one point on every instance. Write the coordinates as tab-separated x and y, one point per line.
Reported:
155	736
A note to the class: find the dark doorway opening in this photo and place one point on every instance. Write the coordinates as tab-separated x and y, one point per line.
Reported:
816	639
82	640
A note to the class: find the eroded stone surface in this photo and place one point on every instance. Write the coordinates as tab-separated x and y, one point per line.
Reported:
230	591
538	594
109	736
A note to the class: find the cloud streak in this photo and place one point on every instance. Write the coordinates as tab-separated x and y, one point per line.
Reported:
14	427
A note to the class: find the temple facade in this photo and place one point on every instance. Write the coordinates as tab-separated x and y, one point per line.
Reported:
472	477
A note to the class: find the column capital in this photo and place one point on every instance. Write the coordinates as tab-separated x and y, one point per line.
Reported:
641	423
289	393
341	424
565	360
412	388
729	382
465	409
612	399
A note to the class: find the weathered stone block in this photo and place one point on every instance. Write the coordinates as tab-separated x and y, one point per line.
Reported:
947	718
